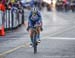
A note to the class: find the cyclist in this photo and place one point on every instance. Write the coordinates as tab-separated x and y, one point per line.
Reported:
34	19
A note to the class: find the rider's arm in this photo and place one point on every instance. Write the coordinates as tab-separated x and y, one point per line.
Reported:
40	17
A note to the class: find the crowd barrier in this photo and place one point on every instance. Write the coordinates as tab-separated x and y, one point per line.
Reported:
12	19
2	32
1	13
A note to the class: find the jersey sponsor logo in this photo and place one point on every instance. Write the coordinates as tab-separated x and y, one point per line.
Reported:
34	18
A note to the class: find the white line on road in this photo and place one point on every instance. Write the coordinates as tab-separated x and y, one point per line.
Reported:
58	32
58	38
45	56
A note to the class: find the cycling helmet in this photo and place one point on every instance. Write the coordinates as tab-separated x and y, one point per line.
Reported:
34	10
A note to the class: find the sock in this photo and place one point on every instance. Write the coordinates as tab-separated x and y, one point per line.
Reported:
31	40
38	36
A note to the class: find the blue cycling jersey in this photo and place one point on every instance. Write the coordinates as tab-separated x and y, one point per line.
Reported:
34	19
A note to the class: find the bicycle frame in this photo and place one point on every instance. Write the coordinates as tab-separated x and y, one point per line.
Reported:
35	39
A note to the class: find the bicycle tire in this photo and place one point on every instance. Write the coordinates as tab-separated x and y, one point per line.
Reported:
35	44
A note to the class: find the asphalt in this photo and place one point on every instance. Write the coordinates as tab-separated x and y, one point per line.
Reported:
57	38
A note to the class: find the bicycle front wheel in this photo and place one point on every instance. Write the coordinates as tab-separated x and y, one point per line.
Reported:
35	44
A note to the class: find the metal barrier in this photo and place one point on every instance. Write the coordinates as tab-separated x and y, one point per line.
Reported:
13	19
8	19
1	15
20	17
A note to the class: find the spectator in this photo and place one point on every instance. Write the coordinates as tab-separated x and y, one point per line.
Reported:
10	5
2	11
3	1
2	6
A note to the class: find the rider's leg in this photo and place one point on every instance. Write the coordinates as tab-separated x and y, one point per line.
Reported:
38	34
31	33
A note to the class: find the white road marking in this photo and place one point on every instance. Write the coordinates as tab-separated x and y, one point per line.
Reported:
58	38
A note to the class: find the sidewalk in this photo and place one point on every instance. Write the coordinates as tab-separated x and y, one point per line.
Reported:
15	33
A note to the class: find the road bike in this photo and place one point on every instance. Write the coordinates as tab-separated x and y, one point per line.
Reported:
34	38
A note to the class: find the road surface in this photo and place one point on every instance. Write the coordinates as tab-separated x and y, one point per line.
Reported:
57	38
